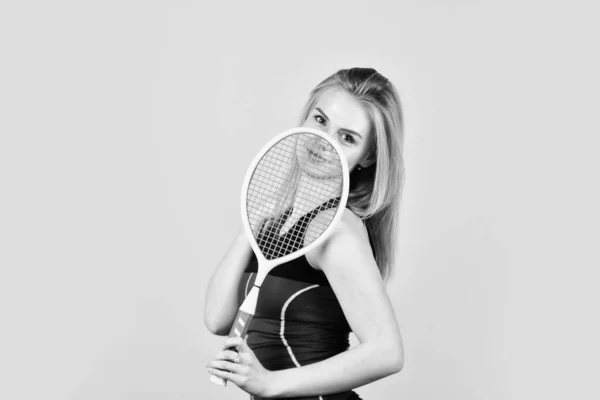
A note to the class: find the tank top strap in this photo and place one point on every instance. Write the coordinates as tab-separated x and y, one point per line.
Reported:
308	217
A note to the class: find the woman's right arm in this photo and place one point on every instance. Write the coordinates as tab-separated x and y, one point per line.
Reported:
221	300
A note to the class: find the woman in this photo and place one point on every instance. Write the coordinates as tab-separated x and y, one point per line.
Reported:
297	344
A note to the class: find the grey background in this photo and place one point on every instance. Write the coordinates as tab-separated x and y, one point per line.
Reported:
125	131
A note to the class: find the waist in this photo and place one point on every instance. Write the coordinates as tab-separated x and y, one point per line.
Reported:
286	344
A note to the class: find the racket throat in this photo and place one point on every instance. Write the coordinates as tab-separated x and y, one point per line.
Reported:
251	300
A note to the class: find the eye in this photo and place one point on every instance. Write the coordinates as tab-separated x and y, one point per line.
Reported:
347	138
319	119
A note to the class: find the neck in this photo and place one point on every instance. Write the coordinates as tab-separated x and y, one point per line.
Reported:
310	194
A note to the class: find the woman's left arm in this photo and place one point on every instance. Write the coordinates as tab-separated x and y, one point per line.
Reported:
347	261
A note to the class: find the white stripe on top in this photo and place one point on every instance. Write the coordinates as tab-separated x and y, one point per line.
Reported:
281	332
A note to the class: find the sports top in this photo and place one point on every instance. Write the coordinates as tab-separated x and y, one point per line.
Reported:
298	319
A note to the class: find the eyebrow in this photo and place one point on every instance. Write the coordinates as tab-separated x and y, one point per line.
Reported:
342	129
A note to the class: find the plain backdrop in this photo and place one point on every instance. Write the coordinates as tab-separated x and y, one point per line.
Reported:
127	126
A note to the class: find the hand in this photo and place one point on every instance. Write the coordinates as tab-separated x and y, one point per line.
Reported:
241	367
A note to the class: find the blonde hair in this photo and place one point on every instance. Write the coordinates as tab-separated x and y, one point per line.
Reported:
375	192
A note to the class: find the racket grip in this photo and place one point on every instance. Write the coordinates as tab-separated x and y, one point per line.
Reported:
239	329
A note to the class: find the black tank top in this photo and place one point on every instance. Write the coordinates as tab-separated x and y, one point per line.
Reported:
298	319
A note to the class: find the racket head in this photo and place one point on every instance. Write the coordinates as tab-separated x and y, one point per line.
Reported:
300	163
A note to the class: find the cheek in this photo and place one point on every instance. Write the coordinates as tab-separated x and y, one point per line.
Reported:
355	155
308	121
311	124
351	157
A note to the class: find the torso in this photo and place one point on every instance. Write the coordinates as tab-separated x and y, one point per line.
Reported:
298	319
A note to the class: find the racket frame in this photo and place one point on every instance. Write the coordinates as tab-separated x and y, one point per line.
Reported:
268	265
264	265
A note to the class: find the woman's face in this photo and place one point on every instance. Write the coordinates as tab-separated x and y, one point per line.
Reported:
344	118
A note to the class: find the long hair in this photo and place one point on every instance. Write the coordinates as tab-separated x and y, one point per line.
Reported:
375	192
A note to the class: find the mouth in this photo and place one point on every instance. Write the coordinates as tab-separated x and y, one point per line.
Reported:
316	157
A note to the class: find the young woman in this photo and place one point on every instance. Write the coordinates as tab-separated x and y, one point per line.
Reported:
297	344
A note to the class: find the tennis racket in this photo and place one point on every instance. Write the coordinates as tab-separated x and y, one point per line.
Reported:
298	172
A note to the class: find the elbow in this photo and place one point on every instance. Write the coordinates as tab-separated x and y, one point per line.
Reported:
387	360
397	365
214	327
395	361
396	353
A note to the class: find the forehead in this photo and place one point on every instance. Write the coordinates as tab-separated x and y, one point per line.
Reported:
344	110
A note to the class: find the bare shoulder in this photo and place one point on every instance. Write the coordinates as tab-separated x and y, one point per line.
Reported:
349	239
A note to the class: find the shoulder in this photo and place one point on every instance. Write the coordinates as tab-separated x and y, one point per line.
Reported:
348	240
350	227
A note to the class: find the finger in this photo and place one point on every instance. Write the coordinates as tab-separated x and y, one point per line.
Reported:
226	366
228	355
232	342
243	346
220	373
234	357
228	376
245	342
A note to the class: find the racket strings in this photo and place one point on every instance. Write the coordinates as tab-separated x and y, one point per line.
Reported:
295	174
273	245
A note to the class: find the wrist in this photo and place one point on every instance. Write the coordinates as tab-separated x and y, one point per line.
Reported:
272	389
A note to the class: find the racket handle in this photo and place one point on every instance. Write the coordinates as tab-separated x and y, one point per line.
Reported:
240	326
239	329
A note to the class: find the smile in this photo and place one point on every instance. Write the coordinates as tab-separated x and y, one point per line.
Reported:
315	157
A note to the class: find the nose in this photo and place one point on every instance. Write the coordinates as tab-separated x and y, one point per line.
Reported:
324	145
330	130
